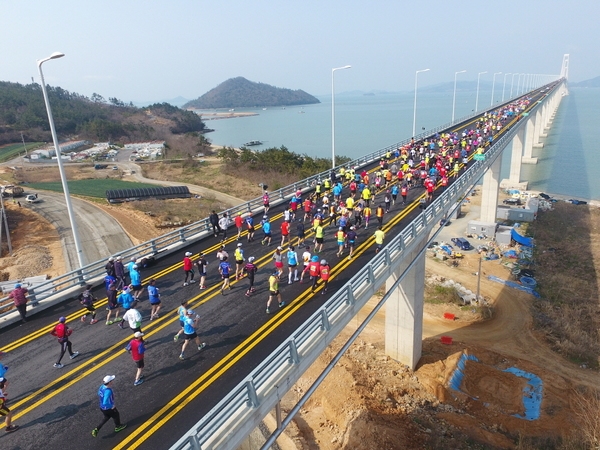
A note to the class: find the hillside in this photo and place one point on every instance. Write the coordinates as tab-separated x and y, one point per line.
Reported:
22	109
591	83
242	93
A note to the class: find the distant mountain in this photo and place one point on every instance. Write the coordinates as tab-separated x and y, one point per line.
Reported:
242	93
591	83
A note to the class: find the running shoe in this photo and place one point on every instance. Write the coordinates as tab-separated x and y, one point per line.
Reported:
186	284
192	281
83	318
290	282
11	428
110	322
268	311
74	355
176	338
120	428
247	294
58	365
138	382
95	432
181	357
281	304
201	346
93	321
203	287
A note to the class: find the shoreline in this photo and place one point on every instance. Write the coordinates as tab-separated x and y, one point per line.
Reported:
208	115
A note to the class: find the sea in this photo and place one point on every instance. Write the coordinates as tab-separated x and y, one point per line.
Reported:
365	123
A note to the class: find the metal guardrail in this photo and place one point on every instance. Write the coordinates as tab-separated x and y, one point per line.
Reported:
237	414
68	285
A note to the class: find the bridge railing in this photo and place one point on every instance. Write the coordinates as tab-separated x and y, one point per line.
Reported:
70	284
234	417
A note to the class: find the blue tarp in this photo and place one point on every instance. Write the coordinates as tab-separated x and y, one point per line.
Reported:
527	242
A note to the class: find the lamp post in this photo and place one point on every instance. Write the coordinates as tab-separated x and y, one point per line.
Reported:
415	107
493	87
477	97
454	97
519	83
512	83
333	114
63	178
504	84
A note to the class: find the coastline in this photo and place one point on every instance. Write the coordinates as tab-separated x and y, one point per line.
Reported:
213	115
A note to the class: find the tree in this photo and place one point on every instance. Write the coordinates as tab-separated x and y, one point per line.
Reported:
97	98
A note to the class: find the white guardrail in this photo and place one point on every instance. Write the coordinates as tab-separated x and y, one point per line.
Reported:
227	424
44	295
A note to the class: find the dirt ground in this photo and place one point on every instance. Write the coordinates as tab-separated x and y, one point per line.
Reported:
372	402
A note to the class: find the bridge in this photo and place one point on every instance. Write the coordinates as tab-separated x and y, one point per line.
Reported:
253	356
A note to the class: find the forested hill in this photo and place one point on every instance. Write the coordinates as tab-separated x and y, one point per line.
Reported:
22	109
242	93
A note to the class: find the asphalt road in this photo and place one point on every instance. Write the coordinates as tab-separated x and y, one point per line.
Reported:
99	234
58	408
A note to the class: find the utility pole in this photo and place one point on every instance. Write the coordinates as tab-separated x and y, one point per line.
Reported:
478	280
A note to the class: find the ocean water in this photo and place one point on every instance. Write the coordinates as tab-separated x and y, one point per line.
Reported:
365	123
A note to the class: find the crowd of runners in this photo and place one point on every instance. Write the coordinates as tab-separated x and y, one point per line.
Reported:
336	214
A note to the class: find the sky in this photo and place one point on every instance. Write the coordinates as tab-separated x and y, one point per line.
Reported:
157	50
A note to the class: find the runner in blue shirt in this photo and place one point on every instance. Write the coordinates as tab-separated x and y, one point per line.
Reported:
250	226
190	322
266	226
292	258
107	406
181	311
395	191
154	299
225	271
136	282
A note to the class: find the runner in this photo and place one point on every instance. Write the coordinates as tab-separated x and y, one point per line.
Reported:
238	254
250	226
181	311
379	212
306	256
300	232
250	269
120	272
324	272
222	253
214	222
4	411
125	300
107	406
266	226
137	350
404	193
319	237
133	318
285	232
223	225
201	263
379	237
292	258
87	300
154	299
341	241
239	223
351	240
62	333
367	215
136	282
274	292
266	204
225	271
19	298
314	271
188	268
190	323
278	258
112	304
110	267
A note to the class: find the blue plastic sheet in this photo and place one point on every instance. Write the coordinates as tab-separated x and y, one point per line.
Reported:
527	242
512	284
459	372
532	394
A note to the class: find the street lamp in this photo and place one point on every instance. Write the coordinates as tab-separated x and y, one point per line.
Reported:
415	107
477	97
63	178
504	84
333	115
454	98
493	87
519	83
512	83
